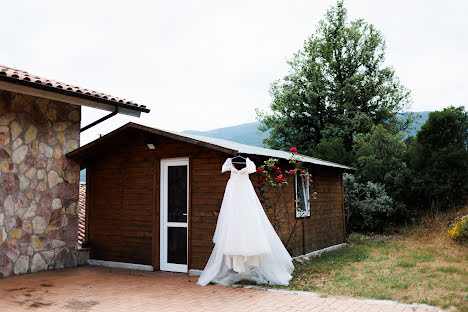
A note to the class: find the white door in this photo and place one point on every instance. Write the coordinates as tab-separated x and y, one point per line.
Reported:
174	214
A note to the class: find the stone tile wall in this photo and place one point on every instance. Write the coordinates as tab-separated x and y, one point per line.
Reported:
38	184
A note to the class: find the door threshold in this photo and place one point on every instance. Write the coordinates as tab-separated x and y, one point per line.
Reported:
195	272
120	265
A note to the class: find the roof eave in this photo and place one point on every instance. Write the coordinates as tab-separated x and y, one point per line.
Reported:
82	150
62	95
76	153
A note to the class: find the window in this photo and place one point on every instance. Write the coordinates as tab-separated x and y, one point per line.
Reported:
301	184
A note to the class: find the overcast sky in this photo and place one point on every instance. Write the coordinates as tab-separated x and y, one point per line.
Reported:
209	64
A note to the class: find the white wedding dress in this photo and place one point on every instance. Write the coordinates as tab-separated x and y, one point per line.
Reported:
246	244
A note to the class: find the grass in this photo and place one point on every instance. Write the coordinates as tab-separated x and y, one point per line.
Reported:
420	265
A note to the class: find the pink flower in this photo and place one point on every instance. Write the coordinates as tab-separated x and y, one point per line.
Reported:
293	150
259	170
292	171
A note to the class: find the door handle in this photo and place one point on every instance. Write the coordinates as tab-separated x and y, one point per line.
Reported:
184	214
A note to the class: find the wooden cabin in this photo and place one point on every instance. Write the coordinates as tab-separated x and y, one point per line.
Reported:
153	197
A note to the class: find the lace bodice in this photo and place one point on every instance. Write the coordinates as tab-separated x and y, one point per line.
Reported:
248	169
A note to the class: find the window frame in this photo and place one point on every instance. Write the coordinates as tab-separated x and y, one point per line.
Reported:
305	184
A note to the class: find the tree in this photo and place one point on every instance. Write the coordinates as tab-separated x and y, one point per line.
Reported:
337	87
438	158
379	157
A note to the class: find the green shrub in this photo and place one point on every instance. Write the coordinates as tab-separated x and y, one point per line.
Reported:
367	205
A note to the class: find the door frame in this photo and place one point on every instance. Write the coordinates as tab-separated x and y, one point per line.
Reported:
163	264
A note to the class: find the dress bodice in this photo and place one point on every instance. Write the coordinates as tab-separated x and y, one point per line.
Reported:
238	173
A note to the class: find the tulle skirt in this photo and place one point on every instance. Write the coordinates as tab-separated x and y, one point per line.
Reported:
246	244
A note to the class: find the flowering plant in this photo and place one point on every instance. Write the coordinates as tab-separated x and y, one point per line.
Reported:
459	229
272	193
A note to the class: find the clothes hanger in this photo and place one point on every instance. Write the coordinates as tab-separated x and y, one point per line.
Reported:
239	162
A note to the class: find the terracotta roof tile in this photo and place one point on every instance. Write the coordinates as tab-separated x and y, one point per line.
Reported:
81	213
23	77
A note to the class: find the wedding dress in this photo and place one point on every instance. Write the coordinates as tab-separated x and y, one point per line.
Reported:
246	244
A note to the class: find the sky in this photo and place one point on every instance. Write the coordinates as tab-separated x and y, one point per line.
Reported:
200	65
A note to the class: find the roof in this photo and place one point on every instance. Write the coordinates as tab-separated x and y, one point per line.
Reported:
217	144
82	214
21	77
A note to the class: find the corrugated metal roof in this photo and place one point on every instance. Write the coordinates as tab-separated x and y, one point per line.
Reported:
217	144
255	150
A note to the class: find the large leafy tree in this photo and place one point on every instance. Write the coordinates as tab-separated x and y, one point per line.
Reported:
379	157
438	158
337	87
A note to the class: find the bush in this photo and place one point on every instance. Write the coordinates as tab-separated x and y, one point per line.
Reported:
367	205
459	229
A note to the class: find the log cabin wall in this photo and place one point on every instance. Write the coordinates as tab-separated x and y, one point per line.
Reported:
120	216
123	186
207	185
123	203
325	226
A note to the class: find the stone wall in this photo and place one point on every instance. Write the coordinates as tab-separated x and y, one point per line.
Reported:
38	184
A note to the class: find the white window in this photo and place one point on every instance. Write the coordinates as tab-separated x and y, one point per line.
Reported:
302	191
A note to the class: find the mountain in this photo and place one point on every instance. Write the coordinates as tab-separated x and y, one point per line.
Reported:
420	119
83	175
247	133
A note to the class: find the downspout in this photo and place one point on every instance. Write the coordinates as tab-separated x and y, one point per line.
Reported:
116	110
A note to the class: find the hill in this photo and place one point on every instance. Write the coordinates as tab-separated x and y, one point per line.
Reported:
248	133
420	119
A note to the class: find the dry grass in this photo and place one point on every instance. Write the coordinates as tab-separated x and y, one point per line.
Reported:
420	265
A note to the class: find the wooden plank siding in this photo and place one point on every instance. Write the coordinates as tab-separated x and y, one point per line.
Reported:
206	193
121	202
325	226
124	201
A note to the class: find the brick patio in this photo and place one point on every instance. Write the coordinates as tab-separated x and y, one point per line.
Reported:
91	288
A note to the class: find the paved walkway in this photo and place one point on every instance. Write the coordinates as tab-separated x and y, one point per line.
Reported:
102	289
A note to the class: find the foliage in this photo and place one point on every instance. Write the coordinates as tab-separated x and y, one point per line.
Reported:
438	159
367	205
333	149
379	158
423	174
459	229
272	194
337	87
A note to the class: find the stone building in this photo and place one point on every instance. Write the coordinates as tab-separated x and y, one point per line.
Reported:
39	124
